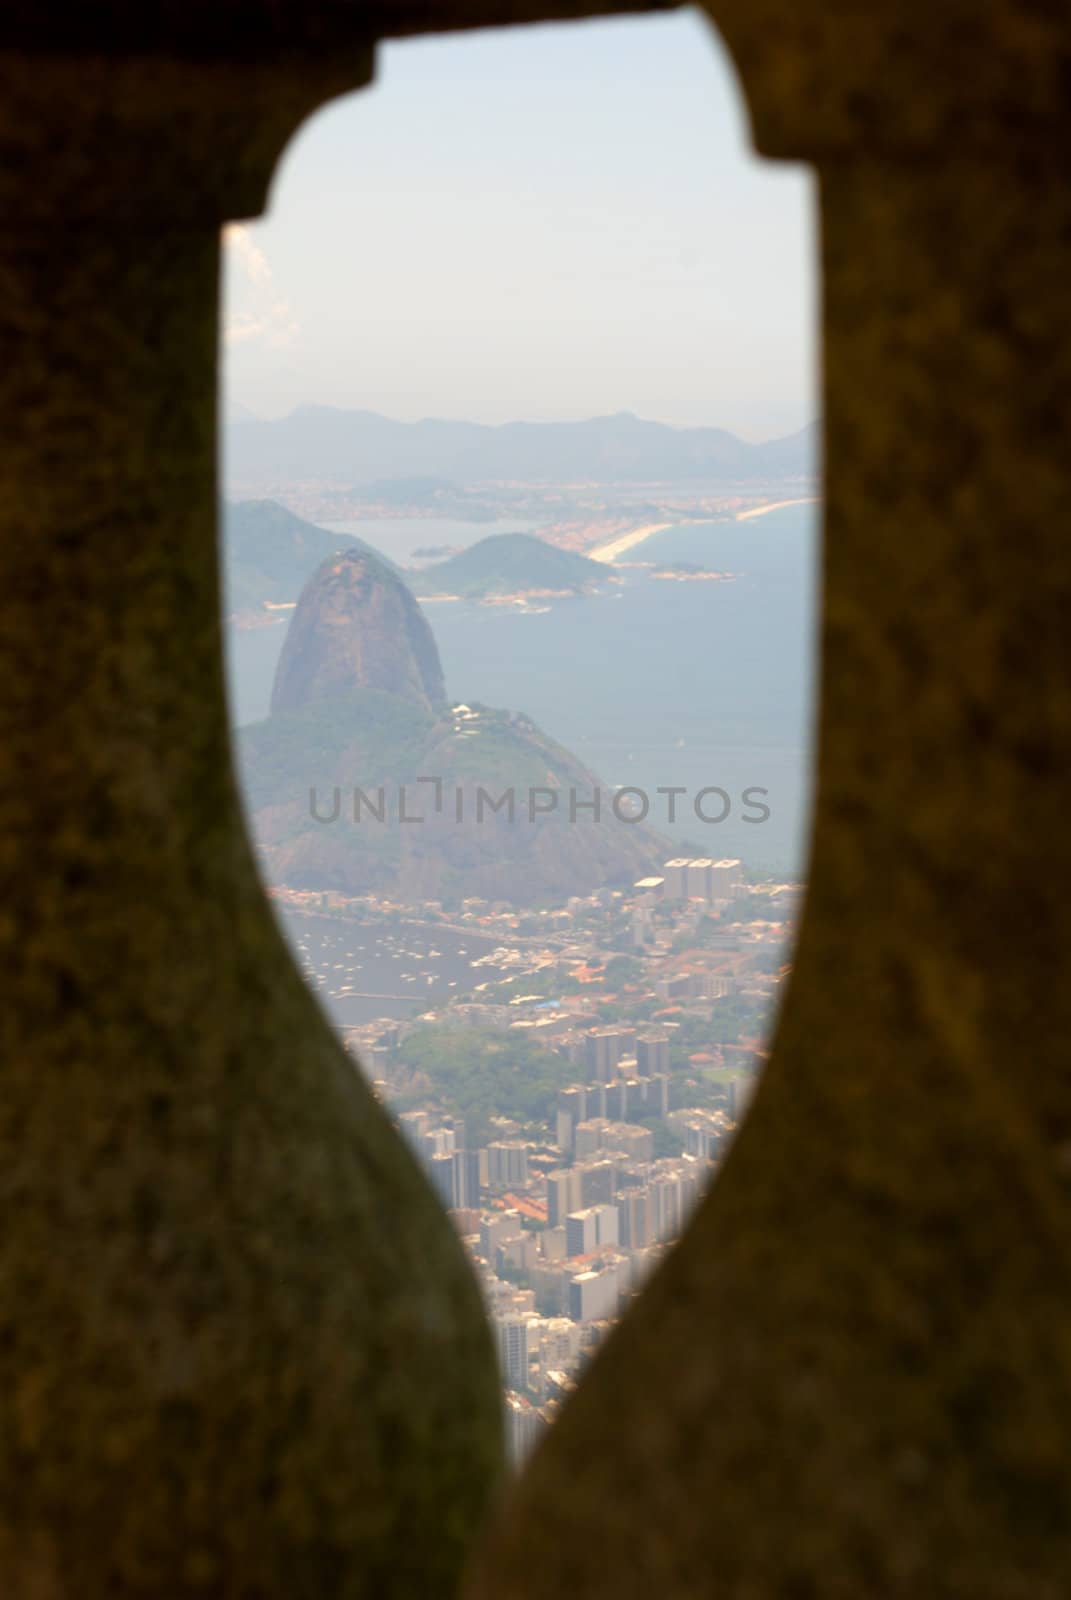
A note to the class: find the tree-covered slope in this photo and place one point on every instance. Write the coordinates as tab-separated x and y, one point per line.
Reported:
359	705
479	1075
510	563
269	553
479	832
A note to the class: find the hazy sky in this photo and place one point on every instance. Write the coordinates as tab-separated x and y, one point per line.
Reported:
533	223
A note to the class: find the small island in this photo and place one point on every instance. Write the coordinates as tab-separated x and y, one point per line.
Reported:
685	572
511	569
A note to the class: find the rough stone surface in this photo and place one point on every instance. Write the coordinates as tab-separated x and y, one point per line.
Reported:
363	781
357	626
241	1353
853	1375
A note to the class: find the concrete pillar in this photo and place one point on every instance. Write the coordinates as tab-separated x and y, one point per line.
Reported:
853	1375
240	1349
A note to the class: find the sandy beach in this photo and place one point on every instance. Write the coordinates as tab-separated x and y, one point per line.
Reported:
776	505
614	548
627	541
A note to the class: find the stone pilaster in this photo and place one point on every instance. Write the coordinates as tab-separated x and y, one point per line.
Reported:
852	1377
241	1352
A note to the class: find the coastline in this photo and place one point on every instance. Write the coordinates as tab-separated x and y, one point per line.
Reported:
610	551
777	505
614	548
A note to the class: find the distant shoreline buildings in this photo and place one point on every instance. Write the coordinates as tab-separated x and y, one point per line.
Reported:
717	883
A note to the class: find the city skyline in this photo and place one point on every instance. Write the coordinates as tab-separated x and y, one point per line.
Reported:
571	1091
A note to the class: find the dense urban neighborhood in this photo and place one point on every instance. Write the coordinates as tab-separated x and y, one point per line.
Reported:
571	1097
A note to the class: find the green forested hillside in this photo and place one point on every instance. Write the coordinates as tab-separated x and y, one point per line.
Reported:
509	563
269	553
478	1075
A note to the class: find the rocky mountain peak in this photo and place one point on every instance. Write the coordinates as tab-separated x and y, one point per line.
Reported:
357	626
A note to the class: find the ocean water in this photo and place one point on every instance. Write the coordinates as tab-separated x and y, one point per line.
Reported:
399	537
655	685
364	971
666	684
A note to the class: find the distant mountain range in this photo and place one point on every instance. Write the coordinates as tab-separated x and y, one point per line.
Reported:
325	444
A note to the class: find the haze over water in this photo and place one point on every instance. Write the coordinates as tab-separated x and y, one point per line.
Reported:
656	684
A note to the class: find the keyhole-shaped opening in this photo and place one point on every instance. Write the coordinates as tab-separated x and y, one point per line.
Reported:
522	505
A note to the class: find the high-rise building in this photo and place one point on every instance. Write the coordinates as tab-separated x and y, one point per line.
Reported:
700	878
675	876
552	1243
618	1099
466	1178
595	1296
700	881
414	1125
524	1424
637	1097
507	1164
496	1229
652	1052
602	1051
632	1140
666	1209
441	1170
549	1287
603	1133
704	1132
715	985
592	1229
438	1142
607	1225
598	1183
740	1093
634	1218
460	1132
520	1253
675	1190
595	1104
588	1137
559	1344
726	879
511	1334
572	1108
563	1194
467	1222
581	1230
